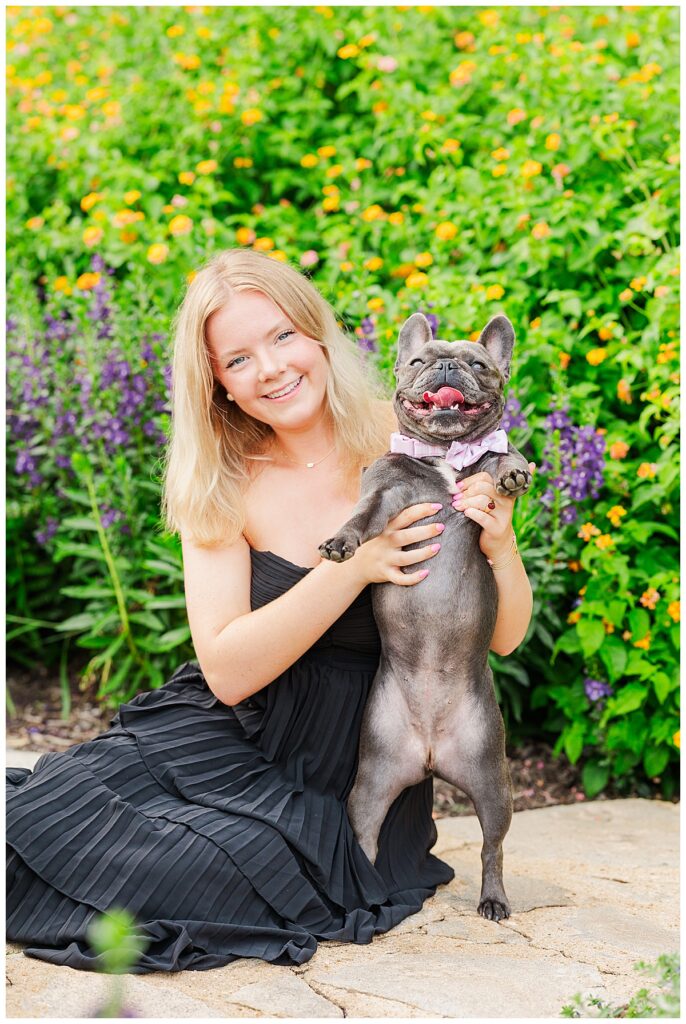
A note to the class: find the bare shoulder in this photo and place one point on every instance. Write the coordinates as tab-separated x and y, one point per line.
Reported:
387	413
217	584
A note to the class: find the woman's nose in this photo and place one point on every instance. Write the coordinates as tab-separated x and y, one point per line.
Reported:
271	365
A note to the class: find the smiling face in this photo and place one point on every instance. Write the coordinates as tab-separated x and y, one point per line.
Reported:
275	373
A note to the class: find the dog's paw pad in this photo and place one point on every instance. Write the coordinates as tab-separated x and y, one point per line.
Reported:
338	549
514	482
494	910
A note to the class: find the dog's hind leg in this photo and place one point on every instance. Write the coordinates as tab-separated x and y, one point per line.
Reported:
475	762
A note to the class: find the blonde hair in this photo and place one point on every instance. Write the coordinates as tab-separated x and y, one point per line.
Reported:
211	440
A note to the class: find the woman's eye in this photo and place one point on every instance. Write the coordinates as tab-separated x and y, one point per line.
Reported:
234	362
285	334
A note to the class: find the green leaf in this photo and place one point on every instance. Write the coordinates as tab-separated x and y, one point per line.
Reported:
629	698
77	623
594	777
158	603
613	655
568	642
655	761
574	741
81	464
89	591
591	634
639	622
163	568
79	523
146	618
662	685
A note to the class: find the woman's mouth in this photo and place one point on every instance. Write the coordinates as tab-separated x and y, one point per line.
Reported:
285	392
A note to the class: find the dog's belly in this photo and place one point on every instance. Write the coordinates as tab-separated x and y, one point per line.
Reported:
445	623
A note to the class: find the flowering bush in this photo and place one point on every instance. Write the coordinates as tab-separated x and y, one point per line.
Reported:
523	160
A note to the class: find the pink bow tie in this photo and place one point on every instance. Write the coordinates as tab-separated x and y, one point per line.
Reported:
458	455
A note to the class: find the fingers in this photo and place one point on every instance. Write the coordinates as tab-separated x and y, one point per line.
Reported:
413	513
408	579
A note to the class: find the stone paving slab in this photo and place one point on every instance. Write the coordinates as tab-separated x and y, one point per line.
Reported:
594	887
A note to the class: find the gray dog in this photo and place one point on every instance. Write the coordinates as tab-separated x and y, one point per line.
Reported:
432	707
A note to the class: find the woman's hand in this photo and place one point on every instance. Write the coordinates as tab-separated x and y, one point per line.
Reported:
473	499
379	559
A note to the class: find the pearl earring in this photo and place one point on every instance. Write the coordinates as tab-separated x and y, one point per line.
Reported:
230	397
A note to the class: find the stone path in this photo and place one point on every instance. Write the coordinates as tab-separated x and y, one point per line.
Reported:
594	887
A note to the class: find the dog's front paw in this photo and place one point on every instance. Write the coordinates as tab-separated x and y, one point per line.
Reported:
339	548
513	482
494	910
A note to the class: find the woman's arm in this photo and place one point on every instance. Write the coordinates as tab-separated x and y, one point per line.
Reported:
515	602
240	650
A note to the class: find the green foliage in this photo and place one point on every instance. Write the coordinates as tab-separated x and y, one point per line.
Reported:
662	1001
523	160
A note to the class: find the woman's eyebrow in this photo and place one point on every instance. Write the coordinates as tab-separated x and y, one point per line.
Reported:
272	331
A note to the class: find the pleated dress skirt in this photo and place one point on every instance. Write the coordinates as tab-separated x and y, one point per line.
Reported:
222	830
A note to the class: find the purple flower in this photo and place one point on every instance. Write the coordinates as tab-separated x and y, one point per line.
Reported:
512	414
49	531
368	338
581	454
596	690
433	320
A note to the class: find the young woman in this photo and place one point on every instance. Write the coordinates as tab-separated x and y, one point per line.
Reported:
214	808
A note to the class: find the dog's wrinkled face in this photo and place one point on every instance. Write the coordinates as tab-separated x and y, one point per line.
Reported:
449	391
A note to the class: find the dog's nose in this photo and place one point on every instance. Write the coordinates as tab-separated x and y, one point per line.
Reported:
446	364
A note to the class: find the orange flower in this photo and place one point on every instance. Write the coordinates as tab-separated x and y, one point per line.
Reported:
676	739
674	610
644	644
92	236
331	203
530	168
346	265
552	141
373	263
186	177
495	291
573	617
540	230
263	244
596	356
206	166
251	116
326	151
396	218
623	391
661	291
90	200
87	281
500	154
604	541
619	450
375	303
423	259
516	115
417	280
278	254
646	470
625	295
535	323
615	514
499	170
157	253
373	212
348	51
650	597
180	225
403	270
463	40
560	171
61	284
564	359
587	531
639	283
131	197
309	160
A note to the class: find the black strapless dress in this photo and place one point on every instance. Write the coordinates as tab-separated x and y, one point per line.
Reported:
223	830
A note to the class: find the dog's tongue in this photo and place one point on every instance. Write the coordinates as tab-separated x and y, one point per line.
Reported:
444	397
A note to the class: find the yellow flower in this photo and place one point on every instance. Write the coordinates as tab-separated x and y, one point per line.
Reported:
373	263
450	146
330	190
552	141
61	284
263	244
489	18
446	230
127	236
530	168
403	270
186	177
463	40
646	470
615	514
326	151
92	236
674	610
417	280
191	275
661	291
90	200
309	160
499	170
180	225
396	218
676	739
362	164
639	283
516	115
111	109
157	253
373	212
245	236
330	204
206	166
625	295
644	644
596	356
423	259
278	254
376	303
495	291
175	30
632	39
123	217
242	161
609	627
251	116
187	61
500	154
604	541
346	265
540	230
87	281
573	617
587	531
34	223
564	359
334	170
347	51
131	197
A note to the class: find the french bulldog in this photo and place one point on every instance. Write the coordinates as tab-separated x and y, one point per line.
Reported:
432	708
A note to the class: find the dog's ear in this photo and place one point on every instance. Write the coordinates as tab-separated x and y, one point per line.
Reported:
414	334
498	338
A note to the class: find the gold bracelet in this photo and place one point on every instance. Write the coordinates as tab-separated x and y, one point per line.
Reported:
513	549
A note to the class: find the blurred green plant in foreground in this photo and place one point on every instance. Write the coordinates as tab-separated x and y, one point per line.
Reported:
113	937
665	1002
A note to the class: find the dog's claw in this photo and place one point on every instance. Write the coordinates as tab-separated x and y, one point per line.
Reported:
493	910
513	482
337	549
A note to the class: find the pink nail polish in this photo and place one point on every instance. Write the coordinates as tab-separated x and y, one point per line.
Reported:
436	506
435	547
440	527
424	573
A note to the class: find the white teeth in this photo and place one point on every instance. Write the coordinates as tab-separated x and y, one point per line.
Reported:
284	391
